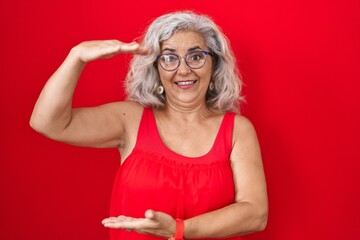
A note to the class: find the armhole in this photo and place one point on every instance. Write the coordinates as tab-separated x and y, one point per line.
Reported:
230	131
224	141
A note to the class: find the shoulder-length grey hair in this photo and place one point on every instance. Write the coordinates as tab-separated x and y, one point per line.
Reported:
143	78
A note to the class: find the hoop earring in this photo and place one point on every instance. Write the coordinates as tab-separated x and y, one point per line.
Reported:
211	86
160	90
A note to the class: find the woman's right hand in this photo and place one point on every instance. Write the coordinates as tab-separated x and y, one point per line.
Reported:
100	49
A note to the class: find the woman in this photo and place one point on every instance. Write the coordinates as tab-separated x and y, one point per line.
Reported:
190	166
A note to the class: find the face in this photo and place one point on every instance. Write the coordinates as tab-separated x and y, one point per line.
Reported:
185	86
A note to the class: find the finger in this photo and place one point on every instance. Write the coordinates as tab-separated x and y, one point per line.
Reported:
112	219
142	50
150	214
115	223
134	48
126	223
156	216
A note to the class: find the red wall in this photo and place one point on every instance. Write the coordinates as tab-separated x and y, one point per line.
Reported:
300	62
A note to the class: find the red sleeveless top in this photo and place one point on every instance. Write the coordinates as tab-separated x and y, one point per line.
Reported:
155	177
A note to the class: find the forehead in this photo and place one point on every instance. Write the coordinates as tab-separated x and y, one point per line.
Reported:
182	41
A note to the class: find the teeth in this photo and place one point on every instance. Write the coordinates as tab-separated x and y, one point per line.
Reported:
185	83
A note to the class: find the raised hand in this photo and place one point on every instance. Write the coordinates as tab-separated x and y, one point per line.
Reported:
98	49
154	223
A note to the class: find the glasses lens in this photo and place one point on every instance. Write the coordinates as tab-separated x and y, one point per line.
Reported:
169	61
196	59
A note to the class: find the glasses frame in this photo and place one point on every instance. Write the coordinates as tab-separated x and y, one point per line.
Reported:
185	57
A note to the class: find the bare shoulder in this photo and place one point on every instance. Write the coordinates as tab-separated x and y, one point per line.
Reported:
128	115
129	112
243	128
245	142
129	108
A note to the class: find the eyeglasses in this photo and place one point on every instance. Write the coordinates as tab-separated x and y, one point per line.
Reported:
194	59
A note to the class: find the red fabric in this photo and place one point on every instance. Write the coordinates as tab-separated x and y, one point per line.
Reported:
154	177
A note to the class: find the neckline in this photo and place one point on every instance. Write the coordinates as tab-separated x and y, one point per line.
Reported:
171	153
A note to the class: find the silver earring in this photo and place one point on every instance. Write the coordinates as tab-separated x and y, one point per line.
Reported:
211	86
160	90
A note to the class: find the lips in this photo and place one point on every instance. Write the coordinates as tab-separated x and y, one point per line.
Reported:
185	83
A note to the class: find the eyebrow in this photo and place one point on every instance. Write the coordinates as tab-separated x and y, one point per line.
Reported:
194	48
189	50
169	49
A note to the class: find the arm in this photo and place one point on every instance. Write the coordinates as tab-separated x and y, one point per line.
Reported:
53	114
248	213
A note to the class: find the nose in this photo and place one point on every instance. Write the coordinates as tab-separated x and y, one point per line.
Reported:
183	68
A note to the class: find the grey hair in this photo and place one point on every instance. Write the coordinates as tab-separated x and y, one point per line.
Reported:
143	78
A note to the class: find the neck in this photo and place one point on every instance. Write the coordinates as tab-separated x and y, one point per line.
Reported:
188	113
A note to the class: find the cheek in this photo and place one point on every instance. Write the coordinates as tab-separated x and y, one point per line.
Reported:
209	71
207	74
160	73
164	75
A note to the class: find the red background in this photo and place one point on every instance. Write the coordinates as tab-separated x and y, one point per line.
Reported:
300	62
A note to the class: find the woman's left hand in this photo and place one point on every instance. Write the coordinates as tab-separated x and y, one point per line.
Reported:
154	223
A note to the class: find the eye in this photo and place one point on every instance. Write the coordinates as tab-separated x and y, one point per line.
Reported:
196	57
169	58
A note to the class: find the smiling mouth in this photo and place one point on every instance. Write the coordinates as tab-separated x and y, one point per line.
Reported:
185	83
